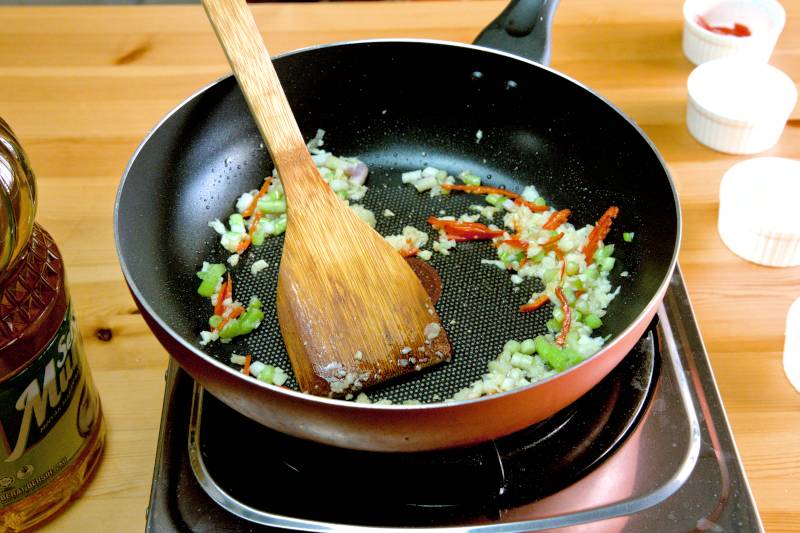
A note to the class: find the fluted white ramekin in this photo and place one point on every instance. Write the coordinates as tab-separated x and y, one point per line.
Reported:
791	345
759	219
737	106
764	18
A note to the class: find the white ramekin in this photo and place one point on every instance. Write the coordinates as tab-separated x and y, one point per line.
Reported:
764	18
759	218
791	345
738	106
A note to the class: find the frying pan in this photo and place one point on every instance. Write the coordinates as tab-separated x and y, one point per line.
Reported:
400	105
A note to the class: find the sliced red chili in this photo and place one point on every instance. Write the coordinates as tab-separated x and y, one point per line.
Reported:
556	219
534	305
536	208
599	232
465	231
562	337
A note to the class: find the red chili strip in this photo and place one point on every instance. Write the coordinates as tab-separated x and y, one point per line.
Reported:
553	240
556	219
225	290
599	232
562	337
482	189
235	312
465	231
536	208
514	243
534	305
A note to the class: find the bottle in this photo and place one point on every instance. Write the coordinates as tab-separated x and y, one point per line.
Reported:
51	424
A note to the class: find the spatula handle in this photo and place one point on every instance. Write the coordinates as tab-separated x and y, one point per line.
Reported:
248	56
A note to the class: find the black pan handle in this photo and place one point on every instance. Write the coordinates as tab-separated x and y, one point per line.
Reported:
523	28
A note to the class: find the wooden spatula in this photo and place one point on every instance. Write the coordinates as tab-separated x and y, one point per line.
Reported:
351	311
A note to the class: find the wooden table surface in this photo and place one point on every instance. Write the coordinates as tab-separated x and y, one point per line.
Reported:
83	85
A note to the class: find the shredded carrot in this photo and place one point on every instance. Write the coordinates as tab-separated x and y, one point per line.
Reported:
243	244
482	189
534	305
599	232
536	208
246	368
248	239
261	192
563	270
410	252
515	243
553	240
562	337
219	308
579	293
235	312
556	219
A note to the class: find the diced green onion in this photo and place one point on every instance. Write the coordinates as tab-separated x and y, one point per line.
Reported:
247	322
272	207
559	359
266	374
593	321
512	346
528	347
592	273
627	236
210	279
511	256
495	199
215	321
550	275
280	225
558	314
605	251
572	268
259	234
538	256
425	184
469	178
521	360
607	264
553	325
540	201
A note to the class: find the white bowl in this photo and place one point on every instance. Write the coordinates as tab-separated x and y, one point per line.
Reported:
764	18
791	345
737	106
759	219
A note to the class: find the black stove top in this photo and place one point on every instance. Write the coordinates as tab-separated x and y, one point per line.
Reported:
648	449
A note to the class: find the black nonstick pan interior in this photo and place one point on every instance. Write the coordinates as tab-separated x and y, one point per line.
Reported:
401	106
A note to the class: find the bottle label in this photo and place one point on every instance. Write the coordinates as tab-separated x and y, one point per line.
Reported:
47	412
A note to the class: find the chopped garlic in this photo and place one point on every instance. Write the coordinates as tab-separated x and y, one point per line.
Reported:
258	266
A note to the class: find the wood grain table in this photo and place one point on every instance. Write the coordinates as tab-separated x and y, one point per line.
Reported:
83	85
